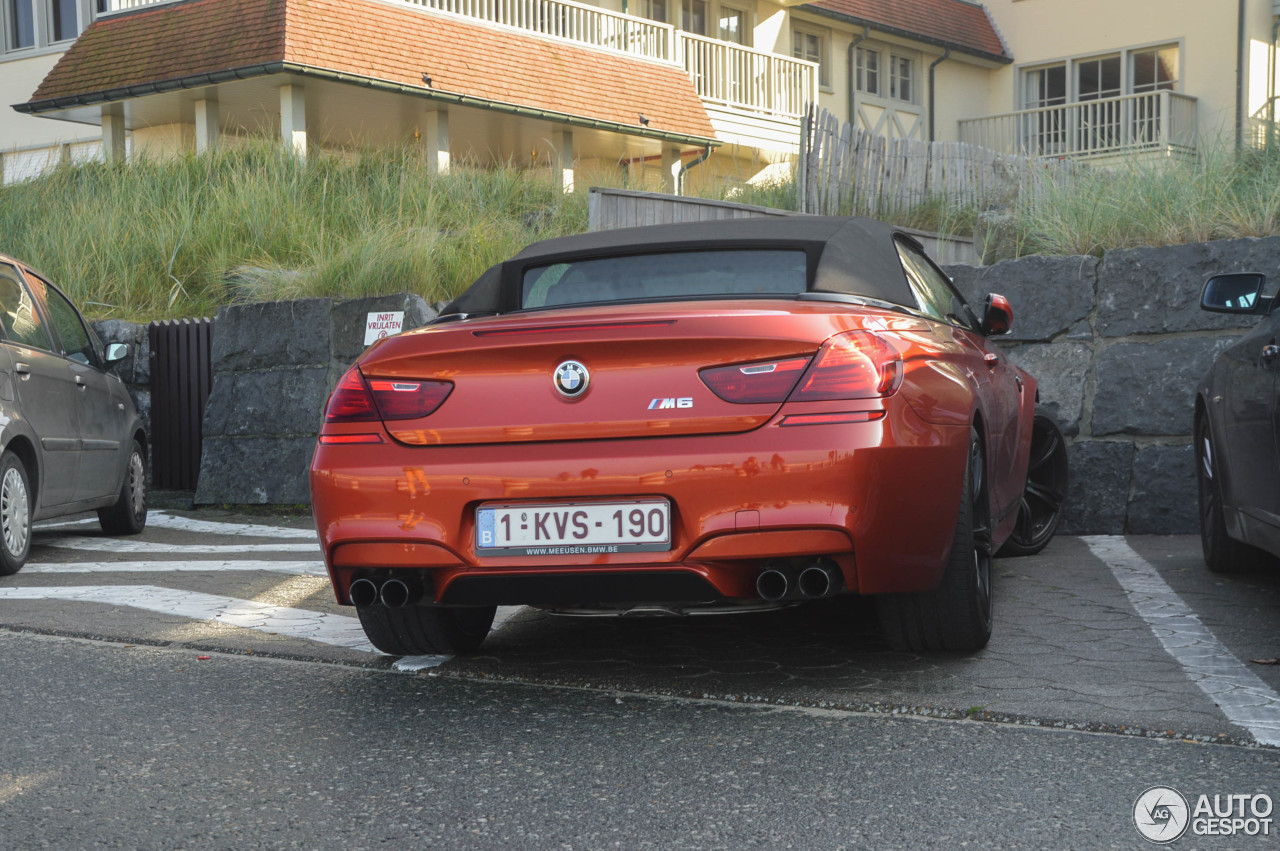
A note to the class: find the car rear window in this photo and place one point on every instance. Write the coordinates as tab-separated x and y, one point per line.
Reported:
671	275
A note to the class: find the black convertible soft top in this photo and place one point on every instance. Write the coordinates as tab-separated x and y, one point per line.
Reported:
847	256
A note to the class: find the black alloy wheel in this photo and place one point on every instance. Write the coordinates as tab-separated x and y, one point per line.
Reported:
1045	494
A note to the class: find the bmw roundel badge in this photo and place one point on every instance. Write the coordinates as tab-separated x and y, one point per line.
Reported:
571	379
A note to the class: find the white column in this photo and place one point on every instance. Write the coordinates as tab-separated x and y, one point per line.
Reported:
670	165
206	125
562	158
293	119
113	149
435	133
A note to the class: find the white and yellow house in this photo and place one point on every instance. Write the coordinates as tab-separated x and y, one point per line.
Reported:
703	89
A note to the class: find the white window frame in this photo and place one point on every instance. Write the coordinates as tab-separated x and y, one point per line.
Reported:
1072	64
862	70
895	79
747	35
42	28
823	35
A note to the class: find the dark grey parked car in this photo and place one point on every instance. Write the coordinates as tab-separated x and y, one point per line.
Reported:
70	434
1237	432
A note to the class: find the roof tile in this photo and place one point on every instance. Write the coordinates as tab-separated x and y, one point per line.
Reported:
380	41
955	22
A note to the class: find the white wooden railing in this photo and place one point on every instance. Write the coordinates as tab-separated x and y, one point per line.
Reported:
1152	120
748	79
566	19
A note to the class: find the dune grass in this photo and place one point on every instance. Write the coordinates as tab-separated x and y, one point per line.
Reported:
180	237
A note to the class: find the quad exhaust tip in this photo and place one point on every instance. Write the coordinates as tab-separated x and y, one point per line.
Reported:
775	582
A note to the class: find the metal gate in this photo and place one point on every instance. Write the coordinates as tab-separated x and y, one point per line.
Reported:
181	374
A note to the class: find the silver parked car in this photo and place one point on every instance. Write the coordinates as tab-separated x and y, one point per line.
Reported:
70	435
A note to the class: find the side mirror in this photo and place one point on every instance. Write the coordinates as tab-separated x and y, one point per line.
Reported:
117	352
1235	294
997	315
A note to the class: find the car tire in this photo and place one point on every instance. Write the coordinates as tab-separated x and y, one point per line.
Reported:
1045	494
15	514
1222	553
426	630
128	516
957	614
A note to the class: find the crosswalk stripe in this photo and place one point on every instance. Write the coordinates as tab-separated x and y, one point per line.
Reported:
300	568
128	545
334	630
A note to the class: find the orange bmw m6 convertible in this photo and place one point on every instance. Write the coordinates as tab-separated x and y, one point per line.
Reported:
681	419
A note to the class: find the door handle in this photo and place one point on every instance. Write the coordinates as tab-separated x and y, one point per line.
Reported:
23	369
991	360
80	383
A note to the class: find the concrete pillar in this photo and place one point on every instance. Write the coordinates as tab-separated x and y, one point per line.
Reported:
113	150
207	128
435	132
670	166
293	119
562	158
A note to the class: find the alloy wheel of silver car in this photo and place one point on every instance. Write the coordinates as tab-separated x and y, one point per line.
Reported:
137	484
15	512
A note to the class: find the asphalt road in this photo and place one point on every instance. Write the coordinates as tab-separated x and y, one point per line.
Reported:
1116	665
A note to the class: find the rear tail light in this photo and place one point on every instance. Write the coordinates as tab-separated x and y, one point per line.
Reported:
852	365
409	400
357	400
755	382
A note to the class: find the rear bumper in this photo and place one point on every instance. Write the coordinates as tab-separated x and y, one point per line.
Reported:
880	498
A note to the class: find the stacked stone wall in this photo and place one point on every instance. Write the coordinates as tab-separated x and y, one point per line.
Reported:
1118	346
274	365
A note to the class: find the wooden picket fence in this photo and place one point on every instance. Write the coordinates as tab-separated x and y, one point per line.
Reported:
845	170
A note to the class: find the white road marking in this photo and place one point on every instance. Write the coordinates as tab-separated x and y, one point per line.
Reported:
164	520
299	568
1244	698
130	545
335	630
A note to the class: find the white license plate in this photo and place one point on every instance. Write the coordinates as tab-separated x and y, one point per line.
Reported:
574	528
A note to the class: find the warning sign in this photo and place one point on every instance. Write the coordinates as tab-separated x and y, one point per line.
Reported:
381	325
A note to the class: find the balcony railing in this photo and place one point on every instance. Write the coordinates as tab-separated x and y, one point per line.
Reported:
566	19
765	84
747	79
1152	120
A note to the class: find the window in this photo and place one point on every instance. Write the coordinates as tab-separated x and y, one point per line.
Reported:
21	24
18	315
732	25
900	78
654	10
811	45
76	342
1154	70
867	70
1098	78
672	276
938	298
693	16
28	24
1045	87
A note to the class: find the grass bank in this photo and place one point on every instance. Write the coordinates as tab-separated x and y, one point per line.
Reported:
179	237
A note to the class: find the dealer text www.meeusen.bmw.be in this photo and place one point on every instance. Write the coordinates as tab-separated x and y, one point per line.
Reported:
570	551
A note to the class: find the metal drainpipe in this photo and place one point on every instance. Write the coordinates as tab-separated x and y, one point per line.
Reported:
1271	83
946	54
853	92
1240	75
685	168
